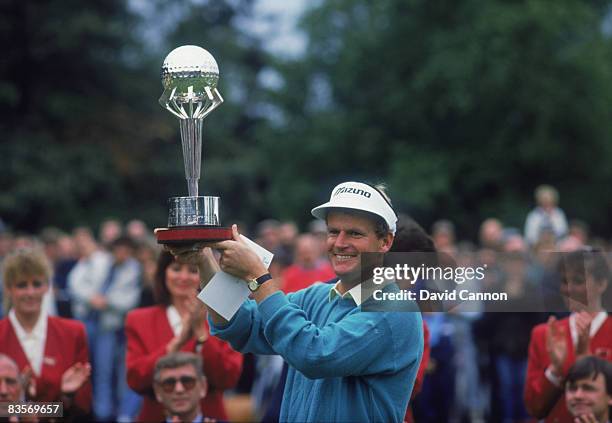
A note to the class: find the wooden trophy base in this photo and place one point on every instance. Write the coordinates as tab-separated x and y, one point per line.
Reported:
187	235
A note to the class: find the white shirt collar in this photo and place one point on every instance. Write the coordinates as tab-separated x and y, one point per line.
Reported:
595	325
174	318
354	293
33	343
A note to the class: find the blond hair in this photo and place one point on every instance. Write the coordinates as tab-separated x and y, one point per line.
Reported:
24	263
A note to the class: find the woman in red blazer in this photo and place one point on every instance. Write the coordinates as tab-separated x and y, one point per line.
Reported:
52	352
556	345
177	323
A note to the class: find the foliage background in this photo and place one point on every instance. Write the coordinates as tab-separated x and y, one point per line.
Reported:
462	108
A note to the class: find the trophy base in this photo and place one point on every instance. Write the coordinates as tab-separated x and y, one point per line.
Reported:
193	220
193	211
188	235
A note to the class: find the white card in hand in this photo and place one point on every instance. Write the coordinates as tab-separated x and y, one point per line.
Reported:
225	293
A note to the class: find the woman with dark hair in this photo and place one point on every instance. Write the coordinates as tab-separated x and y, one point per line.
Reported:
177	323
413	246
556	345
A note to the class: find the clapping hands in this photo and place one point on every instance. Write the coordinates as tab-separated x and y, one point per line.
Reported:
192	324
74	377
556	344
556	339
583	321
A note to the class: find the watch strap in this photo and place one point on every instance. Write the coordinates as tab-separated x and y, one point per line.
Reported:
254	284
264	278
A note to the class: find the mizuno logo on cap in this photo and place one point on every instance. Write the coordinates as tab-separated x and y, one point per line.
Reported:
350	190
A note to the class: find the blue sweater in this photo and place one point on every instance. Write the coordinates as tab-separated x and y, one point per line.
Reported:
345	365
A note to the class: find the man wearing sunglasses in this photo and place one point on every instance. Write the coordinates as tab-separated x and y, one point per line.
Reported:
179	386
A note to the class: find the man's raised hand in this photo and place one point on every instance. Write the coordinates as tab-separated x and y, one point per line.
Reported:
238	259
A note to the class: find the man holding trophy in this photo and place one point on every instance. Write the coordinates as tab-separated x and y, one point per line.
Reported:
344	364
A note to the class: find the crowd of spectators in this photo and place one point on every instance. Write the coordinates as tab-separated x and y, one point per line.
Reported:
478	358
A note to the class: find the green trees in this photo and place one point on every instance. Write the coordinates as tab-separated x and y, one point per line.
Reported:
83	134
463	108
60	102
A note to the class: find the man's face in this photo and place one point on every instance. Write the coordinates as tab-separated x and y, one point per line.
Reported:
348	236
180	390
10	387
588	396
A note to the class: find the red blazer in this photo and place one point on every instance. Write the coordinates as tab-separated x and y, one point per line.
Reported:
65	345
537	386
148	332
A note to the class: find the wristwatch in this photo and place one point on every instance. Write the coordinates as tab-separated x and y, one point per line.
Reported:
254	284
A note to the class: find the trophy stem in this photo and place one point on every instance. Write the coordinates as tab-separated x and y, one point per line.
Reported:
191	138
192	187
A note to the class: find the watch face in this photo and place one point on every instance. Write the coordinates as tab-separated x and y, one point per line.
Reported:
253	285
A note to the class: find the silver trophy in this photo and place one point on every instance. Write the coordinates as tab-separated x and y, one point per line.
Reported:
190	75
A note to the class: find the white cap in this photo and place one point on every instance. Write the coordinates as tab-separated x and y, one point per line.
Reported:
358	196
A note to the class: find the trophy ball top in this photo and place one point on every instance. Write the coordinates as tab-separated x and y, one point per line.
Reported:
189	66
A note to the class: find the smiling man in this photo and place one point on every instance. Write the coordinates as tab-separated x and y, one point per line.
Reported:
588	390
344	364
179	386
